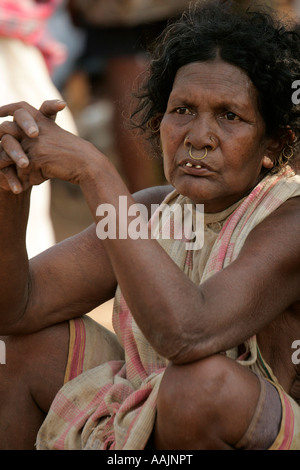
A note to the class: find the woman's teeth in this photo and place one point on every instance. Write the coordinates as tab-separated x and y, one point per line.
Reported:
193	166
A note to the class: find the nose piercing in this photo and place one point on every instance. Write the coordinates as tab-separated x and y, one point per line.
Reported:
197	158
190	151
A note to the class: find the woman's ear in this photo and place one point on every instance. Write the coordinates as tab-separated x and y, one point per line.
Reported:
276	145
267	162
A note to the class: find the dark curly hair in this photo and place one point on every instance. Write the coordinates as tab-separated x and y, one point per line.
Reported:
253	40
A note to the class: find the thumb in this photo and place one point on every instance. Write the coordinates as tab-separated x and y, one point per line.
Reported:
50	108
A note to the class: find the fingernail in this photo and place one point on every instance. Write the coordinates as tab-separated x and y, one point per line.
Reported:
32	130
16	188
23	162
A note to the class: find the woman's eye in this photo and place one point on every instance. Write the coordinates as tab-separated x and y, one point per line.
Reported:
231	116
182	110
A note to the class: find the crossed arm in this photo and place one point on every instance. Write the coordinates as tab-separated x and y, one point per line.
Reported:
182	321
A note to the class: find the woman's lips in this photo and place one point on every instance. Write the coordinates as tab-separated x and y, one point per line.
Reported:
195	168
189	165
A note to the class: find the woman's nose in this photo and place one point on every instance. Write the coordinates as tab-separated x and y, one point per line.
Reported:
203	133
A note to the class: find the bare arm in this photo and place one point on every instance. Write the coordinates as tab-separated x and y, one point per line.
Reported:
67	280
14	261
72	277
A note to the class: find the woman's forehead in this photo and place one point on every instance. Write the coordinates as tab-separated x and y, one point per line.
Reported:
217	78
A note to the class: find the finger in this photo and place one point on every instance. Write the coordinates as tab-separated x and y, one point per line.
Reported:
11	108
26	122
14	150
50	108
3	182
5	160
9	127
12	179
25	112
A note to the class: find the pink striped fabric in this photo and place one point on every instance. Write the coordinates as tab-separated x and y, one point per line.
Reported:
285	437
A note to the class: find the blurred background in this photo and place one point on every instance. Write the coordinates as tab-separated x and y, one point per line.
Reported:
93	53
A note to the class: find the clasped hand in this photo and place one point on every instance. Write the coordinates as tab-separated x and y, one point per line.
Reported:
32	146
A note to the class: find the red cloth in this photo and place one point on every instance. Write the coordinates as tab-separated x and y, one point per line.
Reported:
27	21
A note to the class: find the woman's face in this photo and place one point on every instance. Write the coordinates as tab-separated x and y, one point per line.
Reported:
214	104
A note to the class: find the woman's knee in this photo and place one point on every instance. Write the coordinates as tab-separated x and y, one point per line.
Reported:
39	360
30	376
200	398
202	383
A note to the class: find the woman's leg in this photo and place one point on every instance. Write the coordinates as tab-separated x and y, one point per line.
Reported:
29	380
210	404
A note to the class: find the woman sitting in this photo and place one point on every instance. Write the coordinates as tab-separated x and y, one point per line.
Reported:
203	355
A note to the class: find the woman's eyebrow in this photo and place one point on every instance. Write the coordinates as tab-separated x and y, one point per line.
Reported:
219	102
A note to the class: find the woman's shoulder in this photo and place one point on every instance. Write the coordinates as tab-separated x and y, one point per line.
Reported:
152	195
